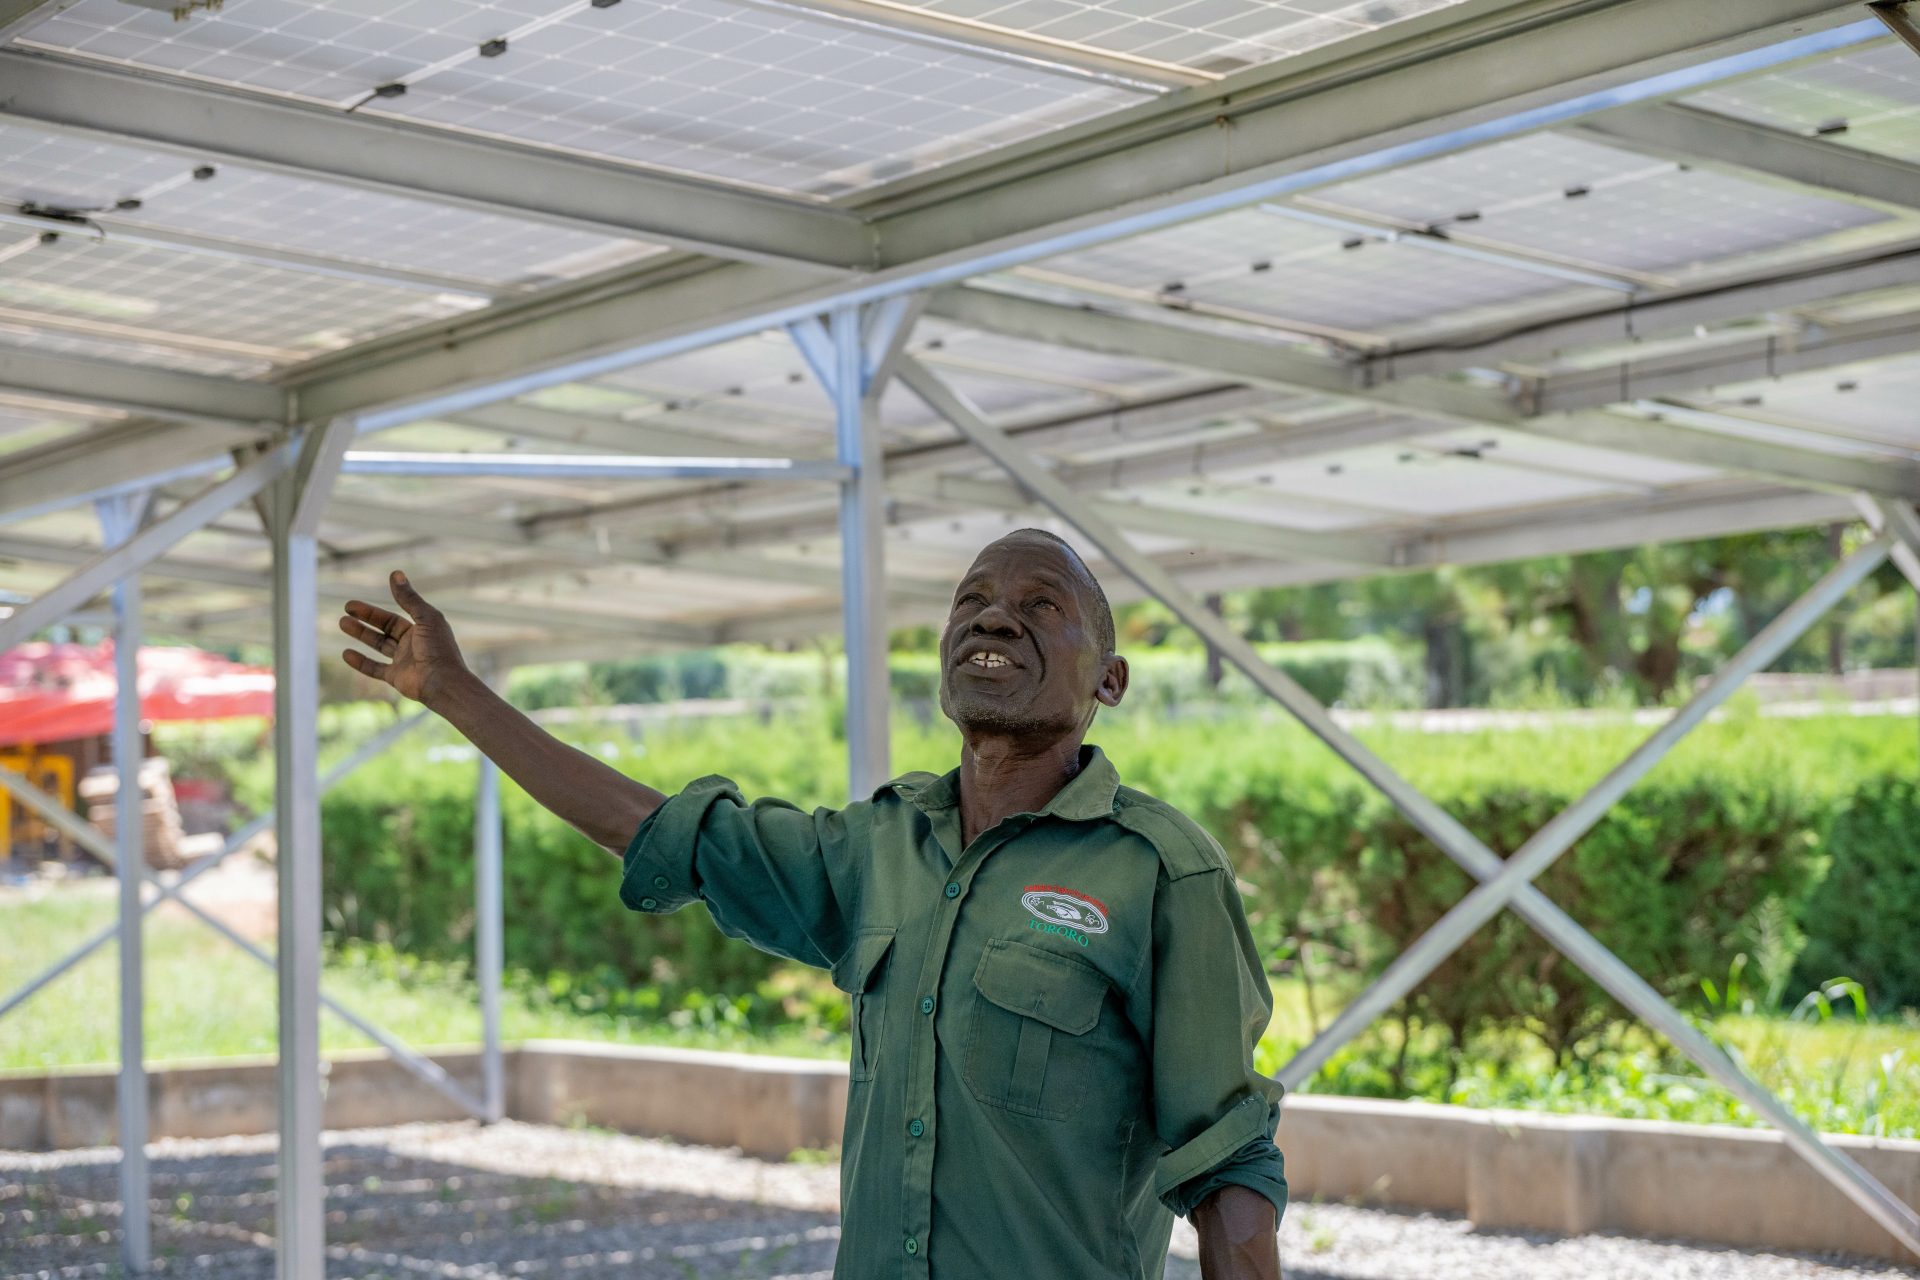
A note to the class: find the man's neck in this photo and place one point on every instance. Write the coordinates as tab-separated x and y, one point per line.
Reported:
999	778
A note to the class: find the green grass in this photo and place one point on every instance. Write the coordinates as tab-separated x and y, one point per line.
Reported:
1838	1073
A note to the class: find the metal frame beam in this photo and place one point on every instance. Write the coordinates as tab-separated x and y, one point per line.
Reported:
365	462
1442	828
1671	131
201	122
253	408
1546	407
104	461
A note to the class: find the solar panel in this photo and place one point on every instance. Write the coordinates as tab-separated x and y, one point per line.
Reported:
268	209
1866	98
1213	35
26	330
1292	275
1587	203
1871	404
768	99
207	304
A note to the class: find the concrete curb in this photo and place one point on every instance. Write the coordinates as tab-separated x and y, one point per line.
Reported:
1505	1170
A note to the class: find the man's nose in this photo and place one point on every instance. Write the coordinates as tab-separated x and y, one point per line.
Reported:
996	619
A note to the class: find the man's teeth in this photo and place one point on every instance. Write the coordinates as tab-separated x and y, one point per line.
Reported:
990	660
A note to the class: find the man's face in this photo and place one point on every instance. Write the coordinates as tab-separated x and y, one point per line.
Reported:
1021	654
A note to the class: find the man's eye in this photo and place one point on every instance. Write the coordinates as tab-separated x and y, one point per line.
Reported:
963	599
1044	601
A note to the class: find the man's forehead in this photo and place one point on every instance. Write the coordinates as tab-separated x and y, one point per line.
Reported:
1060	561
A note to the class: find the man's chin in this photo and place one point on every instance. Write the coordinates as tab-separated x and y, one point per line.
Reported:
995	717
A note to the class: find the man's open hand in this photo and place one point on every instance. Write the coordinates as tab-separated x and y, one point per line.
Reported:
425	661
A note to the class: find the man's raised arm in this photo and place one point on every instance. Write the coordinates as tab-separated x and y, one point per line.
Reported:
424	664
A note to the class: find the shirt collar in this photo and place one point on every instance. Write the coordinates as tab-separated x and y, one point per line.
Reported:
1089	794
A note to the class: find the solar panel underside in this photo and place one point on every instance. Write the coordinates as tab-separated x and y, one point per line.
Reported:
1868	98
200	303
1208	35
250	208
774	100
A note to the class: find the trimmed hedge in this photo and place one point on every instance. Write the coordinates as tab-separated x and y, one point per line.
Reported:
1746	812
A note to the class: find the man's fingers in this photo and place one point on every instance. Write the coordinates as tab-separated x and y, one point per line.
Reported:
381	619
409	599
368	635
364	665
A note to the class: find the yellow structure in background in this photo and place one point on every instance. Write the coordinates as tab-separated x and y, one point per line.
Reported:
52	774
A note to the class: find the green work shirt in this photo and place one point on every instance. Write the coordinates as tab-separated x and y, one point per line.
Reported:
1053	1027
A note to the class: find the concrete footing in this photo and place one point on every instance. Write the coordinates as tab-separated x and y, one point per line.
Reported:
1501	1169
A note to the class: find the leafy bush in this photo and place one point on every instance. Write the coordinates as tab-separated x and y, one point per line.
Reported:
1864	920
1677	879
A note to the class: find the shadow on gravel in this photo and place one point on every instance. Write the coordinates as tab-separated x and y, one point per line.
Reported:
393	1216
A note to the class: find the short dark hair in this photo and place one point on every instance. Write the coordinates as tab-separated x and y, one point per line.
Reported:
1102	611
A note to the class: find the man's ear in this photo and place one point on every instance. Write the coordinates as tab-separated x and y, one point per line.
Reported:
1113	682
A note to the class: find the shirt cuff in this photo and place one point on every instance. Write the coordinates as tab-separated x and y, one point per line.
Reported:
657	873
1258	1166
1237	1149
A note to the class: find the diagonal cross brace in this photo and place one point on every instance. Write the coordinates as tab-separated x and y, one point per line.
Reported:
116	562
1903	522
1430	819
1532	859
426	1069
235	842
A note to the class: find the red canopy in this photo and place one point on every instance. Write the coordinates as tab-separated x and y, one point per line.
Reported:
52	692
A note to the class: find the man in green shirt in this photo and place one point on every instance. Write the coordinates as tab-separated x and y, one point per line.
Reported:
1055	995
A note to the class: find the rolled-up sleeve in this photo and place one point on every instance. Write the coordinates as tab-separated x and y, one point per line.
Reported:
1211	1003
768	872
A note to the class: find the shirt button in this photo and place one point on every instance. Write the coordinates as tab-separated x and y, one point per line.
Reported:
953	891
659	882
915	1128
648	904
913	1246
926	1004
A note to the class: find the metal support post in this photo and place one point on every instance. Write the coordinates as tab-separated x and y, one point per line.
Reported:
298	1217
852	356
488	926
1430	819
296	499
120	520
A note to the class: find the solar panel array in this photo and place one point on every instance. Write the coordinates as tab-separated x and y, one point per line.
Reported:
1472	271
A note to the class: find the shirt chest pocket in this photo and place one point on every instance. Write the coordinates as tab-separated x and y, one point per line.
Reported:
1027	1031
861	973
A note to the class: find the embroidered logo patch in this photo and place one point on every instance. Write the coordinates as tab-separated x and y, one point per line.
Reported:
1057	906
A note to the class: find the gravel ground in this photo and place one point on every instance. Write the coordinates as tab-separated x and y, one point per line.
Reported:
459	1202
